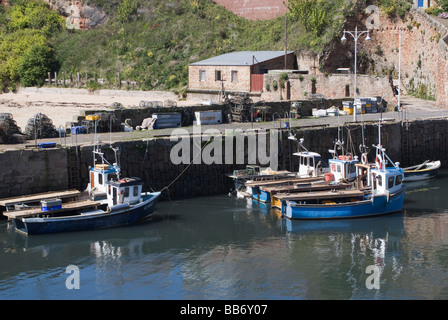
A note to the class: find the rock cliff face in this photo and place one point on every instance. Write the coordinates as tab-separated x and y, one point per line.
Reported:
82	16
78	15
255	9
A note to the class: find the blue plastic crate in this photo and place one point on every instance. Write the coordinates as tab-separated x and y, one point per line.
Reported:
78	130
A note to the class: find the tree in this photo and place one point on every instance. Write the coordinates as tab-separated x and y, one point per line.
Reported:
35	65
34	14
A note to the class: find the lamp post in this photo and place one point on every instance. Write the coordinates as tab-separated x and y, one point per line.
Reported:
355	36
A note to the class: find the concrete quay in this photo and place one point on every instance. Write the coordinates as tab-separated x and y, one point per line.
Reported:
146	154
413	109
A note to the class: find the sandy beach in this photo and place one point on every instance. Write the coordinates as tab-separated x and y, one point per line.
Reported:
63	105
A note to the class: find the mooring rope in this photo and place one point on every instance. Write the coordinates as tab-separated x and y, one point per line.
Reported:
183	171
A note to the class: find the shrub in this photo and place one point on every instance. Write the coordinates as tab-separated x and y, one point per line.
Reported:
443	4
35	65
126	9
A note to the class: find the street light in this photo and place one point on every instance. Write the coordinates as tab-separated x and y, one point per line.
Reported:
355	36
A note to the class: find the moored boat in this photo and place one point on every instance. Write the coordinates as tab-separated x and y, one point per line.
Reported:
423	171
382	193
339	173
126	204
311	164
112	201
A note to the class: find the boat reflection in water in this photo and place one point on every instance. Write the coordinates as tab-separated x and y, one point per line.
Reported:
221	248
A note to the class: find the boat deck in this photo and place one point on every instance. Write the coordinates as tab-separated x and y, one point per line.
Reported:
331	194
303	188
281	182
7	202
74	205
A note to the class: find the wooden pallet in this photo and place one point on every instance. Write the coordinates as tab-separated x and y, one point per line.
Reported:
74	205
7	202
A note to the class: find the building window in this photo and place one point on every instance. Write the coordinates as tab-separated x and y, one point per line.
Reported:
234	76
217	75
201	75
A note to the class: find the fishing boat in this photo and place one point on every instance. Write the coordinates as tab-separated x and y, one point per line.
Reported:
313	176
423	171
112	201
126	204
256	173
311	164
311	168
382	193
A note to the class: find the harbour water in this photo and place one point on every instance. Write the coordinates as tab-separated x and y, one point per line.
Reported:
223	248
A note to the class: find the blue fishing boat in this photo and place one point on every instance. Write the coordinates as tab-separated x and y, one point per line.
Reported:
112	201
314	174
125	205
380	191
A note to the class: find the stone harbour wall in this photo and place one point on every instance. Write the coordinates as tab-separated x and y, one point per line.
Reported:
32	171
40	170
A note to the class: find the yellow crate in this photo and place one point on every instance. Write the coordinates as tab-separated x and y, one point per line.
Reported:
348	110
93	117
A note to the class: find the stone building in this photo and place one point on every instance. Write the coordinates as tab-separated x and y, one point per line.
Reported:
236	71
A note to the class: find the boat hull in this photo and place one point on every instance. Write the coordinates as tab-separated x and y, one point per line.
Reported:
430	171
380	205
92	220
261	195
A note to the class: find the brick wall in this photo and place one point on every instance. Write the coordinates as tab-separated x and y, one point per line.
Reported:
423	53
424	58
255	9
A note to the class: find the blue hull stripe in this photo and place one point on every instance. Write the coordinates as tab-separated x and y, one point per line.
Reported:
88	221
379	206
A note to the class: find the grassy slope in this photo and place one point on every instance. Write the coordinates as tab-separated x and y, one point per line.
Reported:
155	47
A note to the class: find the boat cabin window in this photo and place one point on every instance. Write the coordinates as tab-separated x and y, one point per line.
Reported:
100	179
398	179
114	195
380	181
135	191
305	161
390	182
339	168
323	163
126	192
351	168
